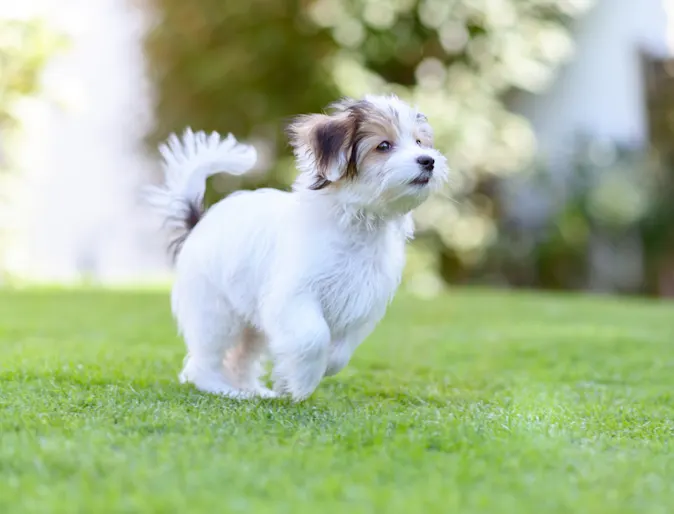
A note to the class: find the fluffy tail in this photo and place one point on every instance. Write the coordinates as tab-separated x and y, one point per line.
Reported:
187	163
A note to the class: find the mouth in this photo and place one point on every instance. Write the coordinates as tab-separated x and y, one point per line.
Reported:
422	179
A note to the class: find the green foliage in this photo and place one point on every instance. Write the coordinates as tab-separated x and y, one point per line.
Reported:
614	194
233	66
244	66
555	405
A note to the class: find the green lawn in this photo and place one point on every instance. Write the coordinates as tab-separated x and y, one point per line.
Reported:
476	402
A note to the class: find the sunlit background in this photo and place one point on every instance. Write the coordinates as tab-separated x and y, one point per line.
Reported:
557	117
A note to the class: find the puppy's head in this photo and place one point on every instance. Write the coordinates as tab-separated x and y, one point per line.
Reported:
376	154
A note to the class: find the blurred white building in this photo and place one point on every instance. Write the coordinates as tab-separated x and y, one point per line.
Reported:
601	91
71	210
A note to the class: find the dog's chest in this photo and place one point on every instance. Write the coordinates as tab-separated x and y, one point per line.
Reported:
359	281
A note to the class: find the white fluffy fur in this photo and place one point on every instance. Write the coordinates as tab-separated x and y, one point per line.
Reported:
187	165
301	276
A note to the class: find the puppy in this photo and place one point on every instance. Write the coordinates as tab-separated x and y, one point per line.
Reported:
303	276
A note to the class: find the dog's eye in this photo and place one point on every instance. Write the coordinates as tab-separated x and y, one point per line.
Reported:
419	142
384	146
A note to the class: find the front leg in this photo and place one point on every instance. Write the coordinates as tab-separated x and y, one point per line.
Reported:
341	350
299	339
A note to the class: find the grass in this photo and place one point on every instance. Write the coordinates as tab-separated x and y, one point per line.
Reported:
478	402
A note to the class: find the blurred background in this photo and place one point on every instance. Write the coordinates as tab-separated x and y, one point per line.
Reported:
557	117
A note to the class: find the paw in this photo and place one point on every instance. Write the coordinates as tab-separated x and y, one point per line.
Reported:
223	389
208	381
297	388
264	392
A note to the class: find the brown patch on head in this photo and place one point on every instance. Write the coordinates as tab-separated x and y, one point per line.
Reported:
380	123
327	142
377	127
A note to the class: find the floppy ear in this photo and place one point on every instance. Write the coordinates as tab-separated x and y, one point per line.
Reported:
323	146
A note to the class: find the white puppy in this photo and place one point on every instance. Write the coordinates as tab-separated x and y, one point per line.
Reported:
301	276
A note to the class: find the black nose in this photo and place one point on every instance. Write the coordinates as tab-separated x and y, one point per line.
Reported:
426	162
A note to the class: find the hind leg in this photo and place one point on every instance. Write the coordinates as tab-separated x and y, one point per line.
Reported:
209	328
243	363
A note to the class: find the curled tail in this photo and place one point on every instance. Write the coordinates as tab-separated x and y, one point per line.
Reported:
187	163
